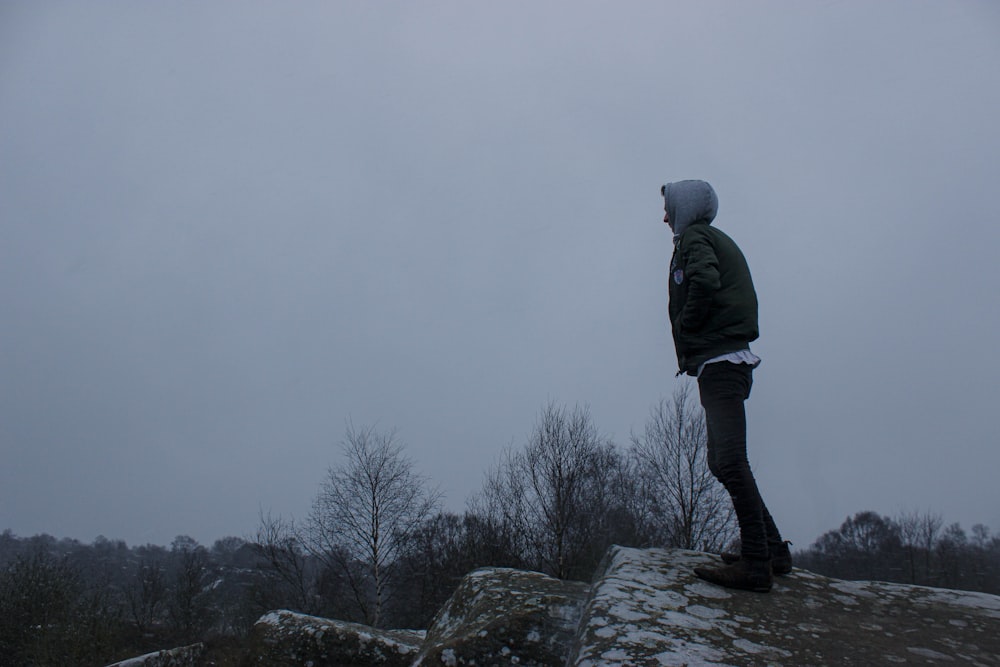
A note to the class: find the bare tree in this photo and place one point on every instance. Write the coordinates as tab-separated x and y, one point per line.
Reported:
285	559
146	594
950	551
683	504
445	548
502	508
365	514
918	533
554	500
188	602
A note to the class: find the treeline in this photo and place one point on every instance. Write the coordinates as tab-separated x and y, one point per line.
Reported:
377	549
911	548
63	602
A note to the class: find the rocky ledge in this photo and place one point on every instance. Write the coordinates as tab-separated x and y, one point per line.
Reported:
646	607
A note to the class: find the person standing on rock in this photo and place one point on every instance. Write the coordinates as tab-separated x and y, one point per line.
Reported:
713	317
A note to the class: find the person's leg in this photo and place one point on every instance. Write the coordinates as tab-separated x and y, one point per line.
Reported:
776	545
771	528
723	387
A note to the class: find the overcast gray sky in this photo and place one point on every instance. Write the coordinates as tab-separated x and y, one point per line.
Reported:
227	228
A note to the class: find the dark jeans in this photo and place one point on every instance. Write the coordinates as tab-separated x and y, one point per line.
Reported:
723	386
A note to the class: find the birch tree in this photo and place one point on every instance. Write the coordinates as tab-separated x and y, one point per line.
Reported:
365	513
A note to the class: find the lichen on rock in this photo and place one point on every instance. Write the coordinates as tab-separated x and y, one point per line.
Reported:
285	638
500	616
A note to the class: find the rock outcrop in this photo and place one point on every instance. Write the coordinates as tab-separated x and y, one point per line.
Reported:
505	617
185	656
287	639
646	607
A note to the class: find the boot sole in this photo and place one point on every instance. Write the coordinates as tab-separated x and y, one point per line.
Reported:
753	588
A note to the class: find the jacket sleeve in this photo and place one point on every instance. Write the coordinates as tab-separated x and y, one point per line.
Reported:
702	271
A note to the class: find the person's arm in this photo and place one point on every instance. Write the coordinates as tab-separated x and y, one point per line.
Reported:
702	271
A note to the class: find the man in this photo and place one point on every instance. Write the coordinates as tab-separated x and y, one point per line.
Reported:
713	316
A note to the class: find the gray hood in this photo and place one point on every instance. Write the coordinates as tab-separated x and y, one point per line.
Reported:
688	202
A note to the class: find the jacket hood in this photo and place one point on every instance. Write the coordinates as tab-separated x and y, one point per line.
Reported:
688	202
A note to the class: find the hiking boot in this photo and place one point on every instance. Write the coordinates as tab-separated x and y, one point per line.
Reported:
745	574
781	558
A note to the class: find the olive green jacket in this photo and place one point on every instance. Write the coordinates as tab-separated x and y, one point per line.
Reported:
713	305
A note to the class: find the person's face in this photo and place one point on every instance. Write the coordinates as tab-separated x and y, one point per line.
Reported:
666	216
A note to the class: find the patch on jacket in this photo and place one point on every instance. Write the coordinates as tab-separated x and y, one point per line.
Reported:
679	276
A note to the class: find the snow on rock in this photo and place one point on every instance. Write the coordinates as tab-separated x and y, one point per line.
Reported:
646	607
285	638
185	656
499	616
